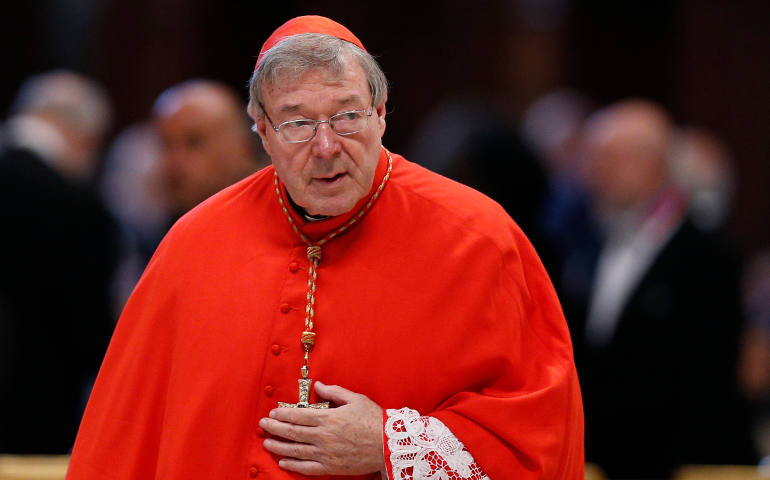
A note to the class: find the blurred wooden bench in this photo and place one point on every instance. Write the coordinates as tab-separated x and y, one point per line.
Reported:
719	472
24	467
54	467
593	472
695	472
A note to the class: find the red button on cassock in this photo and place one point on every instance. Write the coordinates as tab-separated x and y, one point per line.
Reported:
293	267
269	390
276	349
285	308
253	472
260	432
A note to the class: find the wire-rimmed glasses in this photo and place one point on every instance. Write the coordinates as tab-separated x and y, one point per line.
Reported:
304	129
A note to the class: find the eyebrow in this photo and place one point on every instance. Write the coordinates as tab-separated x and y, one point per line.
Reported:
290	108
349	99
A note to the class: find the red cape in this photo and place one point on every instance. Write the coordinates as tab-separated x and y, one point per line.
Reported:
435	301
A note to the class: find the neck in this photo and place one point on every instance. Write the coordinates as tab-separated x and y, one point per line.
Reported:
301	210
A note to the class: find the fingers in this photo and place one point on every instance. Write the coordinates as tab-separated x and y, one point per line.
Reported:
305	467
345	440
289	431
300	451
310	417
338	395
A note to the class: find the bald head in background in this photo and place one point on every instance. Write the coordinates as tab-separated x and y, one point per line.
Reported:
206	141
627	147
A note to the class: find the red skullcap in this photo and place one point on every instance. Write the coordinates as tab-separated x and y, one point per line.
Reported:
308	24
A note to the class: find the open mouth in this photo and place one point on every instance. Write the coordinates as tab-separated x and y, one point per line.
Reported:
332	179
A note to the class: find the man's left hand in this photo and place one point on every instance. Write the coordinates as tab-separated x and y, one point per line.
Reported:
346	440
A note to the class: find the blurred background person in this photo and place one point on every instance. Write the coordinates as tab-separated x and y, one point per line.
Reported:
657	338
206	142
57	254
755	354
132	187
62	117
197	143
551	127
702	167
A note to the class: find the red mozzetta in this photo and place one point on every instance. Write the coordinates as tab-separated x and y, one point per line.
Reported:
434	300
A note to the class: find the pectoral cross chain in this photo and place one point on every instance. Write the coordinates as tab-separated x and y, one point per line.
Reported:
304	389
314	258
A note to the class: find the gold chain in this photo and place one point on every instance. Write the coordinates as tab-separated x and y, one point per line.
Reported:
314	257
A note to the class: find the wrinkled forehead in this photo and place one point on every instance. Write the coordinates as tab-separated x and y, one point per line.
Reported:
295	76
343	86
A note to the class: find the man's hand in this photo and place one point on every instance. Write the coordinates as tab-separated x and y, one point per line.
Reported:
346	440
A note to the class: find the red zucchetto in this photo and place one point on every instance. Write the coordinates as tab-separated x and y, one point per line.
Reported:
308	24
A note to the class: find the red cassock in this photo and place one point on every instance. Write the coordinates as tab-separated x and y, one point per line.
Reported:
434	300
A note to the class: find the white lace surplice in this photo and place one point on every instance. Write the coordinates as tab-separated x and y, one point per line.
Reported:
423	448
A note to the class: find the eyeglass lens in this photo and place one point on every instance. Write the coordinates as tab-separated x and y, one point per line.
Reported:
345	123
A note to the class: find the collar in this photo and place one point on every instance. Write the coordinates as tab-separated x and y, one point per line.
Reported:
303	212
317	229
653	220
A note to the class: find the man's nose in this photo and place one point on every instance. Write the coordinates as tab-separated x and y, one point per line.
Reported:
326	143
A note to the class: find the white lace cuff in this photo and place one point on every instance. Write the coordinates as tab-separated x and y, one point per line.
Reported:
423	448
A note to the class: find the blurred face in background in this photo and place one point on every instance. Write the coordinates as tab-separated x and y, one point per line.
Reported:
625	152
64	116
205	146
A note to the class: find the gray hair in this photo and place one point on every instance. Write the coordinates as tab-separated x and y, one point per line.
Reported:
74	99
301	53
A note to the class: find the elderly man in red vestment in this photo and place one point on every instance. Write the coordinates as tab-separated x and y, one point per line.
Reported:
434	336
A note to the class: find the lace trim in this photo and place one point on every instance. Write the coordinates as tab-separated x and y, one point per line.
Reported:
423	448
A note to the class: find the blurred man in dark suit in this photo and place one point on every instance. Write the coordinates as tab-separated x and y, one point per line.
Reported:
657	337
57	253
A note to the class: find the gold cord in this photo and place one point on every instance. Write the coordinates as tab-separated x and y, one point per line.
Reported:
314	257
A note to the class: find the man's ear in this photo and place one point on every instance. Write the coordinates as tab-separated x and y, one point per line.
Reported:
260	126
380	111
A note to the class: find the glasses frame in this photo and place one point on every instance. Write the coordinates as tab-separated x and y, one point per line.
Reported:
277	128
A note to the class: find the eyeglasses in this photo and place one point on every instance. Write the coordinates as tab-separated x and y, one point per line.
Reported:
304	129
